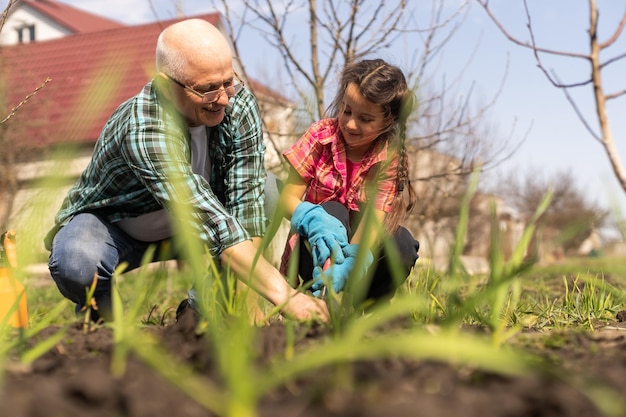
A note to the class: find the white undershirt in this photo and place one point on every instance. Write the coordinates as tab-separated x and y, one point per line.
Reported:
155	226
200	163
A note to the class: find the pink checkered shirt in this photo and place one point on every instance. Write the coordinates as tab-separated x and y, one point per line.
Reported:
319	156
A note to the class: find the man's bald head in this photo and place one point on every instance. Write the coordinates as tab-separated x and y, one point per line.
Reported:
190	45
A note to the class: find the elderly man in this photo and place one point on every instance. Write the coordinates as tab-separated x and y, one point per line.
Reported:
191	137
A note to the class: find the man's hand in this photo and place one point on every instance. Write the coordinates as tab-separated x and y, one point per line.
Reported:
306	308
337	274
326	235
264	278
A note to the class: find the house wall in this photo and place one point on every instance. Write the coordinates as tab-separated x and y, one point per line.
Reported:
21	16
42	187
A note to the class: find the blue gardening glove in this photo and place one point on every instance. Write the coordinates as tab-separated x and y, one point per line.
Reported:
337	274
326	235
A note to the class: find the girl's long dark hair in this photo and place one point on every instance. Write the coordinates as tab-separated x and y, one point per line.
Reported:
385	84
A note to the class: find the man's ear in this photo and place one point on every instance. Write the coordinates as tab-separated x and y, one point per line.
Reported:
164	85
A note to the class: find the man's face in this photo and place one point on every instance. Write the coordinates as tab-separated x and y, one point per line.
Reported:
188	96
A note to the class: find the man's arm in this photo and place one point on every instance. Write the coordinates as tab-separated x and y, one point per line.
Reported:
268	281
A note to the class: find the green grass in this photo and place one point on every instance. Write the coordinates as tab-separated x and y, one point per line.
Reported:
541	287
437	308
549	302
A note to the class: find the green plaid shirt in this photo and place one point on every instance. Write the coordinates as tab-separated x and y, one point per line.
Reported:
142	163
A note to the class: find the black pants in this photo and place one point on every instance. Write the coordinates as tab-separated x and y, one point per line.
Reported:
384	280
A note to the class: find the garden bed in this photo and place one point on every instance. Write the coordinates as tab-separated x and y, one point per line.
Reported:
584	371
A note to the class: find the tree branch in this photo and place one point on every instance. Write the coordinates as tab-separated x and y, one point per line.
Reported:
21	103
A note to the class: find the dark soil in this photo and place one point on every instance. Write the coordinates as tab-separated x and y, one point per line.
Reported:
74	379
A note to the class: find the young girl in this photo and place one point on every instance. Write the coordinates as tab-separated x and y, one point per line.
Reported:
338	167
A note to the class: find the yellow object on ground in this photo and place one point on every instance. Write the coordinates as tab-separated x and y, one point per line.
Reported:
13	307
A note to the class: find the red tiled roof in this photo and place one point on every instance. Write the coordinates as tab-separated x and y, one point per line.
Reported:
90	75
75	20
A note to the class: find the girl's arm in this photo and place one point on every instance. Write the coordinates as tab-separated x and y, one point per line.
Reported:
292	193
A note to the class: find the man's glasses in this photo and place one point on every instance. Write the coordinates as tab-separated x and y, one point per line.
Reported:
232	88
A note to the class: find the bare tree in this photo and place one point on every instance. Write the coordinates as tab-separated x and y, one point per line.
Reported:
570	216
338	31
597	67
343	31
449	135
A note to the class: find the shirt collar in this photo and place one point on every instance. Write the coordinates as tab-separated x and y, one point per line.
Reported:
375	154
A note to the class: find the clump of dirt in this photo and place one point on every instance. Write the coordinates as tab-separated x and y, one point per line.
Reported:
75	379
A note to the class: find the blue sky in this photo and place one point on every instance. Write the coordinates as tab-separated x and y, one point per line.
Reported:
556	141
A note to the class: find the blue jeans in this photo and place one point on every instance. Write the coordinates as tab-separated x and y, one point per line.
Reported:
89	245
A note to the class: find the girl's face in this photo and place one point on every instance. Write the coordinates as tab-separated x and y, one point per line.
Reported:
360	121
